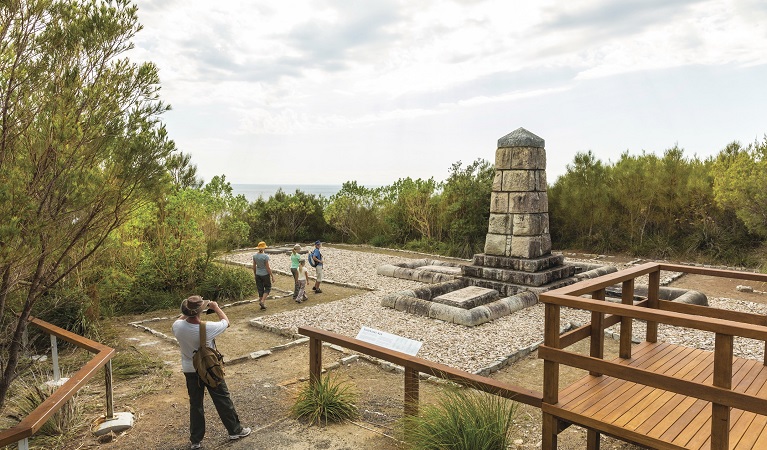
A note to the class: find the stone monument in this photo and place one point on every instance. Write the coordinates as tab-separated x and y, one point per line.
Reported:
518	245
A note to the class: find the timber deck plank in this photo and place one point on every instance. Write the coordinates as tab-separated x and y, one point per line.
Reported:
624	408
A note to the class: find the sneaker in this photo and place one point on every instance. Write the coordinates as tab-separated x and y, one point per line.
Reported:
241	434
314	288
298	301
318	291
263	307
195	445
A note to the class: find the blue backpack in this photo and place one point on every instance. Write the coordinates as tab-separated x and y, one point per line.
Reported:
310	257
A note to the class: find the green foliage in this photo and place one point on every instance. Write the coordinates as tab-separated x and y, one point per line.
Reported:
286	218
67	308
461	420
660	207
326	400
740	183
231	283
354	213
466	207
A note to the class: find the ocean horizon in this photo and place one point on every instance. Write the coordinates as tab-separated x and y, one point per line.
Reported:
253	191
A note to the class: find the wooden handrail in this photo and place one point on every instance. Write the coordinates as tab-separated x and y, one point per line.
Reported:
417	364
37	418
678	319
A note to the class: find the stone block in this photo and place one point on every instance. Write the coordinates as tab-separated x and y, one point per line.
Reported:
499	202
527	202
498	181
526	247
503	157
468	297
540	181
529	224
471	271
519	180
531	158
495	244
499	224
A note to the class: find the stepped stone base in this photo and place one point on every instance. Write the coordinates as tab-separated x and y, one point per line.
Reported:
509	275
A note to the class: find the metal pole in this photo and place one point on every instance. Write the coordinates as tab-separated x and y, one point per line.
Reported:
55	357
24	444
108	381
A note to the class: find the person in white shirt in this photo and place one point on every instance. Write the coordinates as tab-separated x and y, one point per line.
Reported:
187	331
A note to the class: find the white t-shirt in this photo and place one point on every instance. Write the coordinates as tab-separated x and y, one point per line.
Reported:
188	336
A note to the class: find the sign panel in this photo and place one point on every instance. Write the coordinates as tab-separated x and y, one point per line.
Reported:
388	340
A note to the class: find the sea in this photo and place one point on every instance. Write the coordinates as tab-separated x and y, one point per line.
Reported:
253	191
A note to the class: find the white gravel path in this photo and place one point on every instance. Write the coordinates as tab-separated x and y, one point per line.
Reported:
466	348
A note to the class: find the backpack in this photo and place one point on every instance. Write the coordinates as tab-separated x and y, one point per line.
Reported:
208	362
310	257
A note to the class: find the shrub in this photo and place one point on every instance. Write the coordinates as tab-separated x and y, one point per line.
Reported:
462	420
327	400
221	282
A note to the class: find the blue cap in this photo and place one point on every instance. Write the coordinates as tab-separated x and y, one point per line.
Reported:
317	242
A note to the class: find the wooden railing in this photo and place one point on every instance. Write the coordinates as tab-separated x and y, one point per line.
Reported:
35	420
724	324
413	367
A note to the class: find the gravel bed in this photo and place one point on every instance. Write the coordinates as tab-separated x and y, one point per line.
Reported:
468	348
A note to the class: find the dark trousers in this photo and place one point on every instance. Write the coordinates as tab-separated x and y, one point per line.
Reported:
222	401
295	282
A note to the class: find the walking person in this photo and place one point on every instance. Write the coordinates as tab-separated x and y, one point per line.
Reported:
294	258
316	256
187	331
263	274
303	281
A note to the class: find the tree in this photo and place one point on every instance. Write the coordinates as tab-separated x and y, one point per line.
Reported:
466	206
353	211
81	144
740	183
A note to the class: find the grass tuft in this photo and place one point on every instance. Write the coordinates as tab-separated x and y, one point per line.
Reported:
461	420
327	400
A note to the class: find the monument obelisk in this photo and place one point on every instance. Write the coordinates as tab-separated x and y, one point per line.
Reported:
518	244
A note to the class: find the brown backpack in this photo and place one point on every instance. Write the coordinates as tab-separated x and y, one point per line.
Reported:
208	362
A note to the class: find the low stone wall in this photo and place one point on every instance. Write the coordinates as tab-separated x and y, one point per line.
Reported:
413	270
419	302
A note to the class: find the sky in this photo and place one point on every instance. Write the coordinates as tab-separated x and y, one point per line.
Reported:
328	91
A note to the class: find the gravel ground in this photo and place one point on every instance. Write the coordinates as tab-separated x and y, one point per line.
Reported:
468	348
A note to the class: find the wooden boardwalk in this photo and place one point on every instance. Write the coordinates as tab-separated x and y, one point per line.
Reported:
659	418
655	394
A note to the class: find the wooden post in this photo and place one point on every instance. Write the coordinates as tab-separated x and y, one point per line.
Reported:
653	291
411	391
592	439
597	345
109	391
627	323
315	360
720	414
550	377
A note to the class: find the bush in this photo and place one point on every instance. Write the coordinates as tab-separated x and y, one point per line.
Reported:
327	400
232	283
462	420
